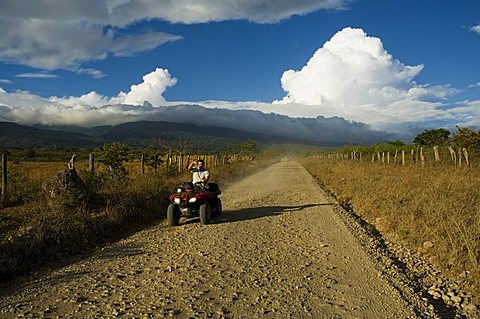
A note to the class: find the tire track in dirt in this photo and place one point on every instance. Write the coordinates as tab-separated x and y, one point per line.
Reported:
279	251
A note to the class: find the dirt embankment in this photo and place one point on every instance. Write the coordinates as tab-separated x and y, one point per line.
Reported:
280	250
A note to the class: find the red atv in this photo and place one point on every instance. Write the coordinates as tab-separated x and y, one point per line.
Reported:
200	200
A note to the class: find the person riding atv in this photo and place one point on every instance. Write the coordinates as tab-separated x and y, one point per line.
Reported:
200	175
195	199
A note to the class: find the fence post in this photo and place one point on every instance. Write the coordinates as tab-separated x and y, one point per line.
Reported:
4	173
388	158
437	155
453	155
403	158
181	164
142	164
422	157
459	157
465	154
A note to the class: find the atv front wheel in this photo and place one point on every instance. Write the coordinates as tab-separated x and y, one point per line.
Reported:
172	216
205	213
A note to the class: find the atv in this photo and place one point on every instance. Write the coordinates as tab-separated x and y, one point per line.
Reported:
191	201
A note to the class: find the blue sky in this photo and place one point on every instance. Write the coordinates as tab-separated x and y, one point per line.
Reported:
238	55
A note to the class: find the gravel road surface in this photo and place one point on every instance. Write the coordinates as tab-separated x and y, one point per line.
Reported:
280	250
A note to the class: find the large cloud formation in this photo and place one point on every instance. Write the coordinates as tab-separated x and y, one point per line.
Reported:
58	34
353	76
51	45
124	12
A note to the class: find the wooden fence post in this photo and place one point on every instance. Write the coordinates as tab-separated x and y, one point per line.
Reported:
383	157
453	155
181	164
459	157
142	164
403	158
91	163
4	173
388	157
422	157
465	154
437	155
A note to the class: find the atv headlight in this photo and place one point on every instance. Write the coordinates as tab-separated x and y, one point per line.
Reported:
177	200
179	190
192	200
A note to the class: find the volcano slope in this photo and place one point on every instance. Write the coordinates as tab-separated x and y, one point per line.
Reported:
280	250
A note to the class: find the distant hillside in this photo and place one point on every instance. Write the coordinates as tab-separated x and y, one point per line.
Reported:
20	136
142	133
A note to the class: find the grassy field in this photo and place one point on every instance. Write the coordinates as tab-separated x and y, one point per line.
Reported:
35	229
434	209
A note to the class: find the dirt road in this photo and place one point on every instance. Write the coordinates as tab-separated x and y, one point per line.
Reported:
279	251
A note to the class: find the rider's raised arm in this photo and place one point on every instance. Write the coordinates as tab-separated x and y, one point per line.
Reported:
190	166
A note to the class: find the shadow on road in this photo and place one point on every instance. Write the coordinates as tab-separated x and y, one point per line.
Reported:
115	251
230	216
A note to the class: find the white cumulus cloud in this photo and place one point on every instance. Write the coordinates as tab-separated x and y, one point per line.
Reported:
353	76
89	109
151	89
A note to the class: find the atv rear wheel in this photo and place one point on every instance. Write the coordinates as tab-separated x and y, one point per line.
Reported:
172	216
205	213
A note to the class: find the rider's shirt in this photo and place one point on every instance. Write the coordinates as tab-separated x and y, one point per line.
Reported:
199	175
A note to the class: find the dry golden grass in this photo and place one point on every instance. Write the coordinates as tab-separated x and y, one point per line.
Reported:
412	205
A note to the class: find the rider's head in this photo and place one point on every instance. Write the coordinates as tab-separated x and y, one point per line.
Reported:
200	163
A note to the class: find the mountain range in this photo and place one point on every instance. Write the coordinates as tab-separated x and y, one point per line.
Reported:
205	128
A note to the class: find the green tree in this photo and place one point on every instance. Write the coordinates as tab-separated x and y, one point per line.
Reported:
248	147
466	137
153	157
433	137
113	155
